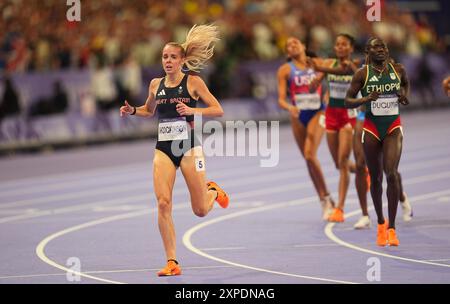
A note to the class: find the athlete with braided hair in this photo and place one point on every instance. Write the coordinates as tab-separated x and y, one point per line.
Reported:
383	85
337	72
340	123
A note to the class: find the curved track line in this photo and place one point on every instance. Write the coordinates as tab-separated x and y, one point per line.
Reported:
330	234
188	235
40	249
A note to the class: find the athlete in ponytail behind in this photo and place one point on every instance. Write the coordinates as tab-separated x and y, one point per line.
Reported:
174	97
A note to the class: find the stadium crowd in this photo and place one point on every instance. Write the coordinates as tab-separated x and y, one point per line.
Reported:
36	36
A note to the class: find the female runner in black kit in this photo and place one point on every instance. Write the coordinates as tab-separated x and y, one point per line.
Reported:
174	98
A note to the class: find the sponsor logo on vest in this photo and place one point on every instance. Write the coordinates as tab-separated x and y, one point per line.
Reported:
374	78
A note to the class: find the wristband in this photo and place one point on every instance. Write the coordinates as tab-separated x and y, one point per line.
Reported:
134	111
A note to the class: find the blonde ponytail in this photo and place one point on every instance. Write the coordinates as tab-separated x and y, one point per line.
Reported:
199	45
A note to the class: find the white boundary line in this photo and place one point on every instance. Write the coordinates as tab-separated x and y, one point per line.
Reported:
25	276
27	182
107	187
242	195
330	234
40	249
188	235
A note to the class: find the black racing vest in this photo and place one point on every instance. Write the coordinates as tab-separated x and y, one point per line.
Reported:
168	98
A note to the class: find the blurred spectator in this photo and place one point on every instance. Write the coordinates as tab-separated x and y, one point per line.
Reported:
423	82
130	79
19	56
35	35
104	87
446	86
57	103
10	102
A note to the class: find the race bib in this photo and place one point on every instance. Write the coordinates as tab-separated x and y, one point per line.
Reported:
172	129
199	164
307	101
338	90
322	121
352	113
385	106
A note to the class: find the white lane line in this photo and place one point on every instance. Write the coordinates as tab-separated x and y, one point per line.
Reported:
99	173
139	187
19	211
315	245
435	226
330	233
70	177
117	169
25	276
444	199
140	212
103	181
438	260
76	208
177	192
131	186
297	186
58	181
223	248
188	235
121	208
40	248
241	195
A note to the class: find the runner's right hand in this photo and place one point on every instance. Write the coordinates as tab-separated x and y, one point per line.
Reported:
373	96
294	111
126	109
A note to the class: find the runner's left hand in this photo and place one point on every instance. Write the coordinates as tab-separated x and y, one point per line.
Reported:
402	99
184	110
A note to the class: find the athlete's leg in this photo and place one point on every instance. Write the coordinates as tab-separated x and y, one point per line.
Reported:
299	131
202	199
360	170
345	148
314	133
373	155
164	172
404	202
333	146
402	194
392	150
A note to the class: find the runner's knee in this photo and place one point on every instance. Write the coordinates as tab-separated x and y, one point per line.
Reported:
200	211
392	177
360	165
342	163
164	205
309	157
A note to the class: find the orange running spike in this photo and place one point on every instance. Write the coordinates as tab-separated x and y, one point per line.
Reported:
222	197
